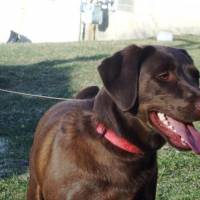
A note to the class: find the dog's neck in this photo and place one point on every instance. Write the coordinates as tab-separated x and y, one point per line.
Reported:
108	113
122	123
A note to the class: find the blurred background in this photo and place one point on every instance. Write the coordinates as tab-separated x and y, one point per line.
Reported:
75	20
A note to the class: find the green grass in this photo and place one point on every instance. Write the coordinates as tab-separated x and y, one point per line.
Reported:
61	70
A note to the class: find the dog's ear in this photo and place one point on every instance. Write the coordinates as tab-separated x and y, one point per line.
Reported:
120	74
187	55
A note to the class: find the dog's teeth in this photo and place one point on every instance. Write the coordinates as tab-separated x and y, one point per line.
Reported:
174	130
165	122
161	116
183	141
171	127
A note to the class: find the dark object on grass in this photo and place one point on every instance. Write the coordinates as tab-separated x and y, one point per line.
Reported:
104	147
17	38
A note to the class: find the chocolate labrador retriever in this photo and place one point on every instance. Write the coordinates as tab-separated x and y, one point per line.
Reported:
103	146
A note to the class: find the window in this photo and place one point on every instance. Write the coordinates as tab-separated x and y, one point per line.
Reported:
125	5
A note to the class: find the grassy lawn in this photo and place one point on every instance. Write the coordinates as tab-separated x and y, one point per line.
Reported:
61	70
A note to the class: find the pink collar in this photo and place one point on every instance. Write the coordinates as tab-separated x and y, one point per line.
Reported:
116	140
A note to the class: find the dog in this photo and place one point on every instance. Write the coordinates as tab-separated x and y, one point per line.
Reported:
102	145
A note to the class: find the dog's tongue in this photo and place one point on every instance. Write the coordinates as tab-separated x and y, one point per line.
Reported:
188	133
193	139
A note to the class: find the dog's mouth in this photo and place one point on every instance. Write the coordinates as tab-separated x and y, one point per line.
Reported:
181	135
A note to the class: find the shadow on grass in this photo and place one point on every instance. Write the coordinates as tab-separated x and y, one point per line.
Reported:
19	114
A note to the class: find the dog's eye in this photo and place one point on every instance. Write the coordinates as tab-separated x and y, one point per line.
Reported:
165	76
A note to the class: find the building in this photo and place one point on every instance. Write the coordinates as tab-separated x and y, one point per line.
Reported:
41	20
145	18
62	20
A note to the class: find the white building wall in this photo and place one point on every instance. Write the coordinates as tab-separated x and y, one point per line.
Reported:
41	20
59	20
148	17
179	16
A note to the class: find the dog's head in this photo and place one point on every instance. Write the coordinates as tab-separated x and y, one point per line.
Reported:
159	86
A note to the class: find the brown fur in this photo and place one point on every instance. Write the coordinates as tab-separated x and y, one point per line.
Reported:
70	161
